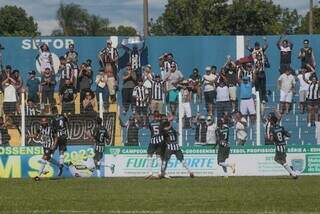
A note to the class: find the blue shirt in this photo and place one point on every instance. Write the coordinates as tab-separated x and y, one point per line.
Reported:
246	90
33	86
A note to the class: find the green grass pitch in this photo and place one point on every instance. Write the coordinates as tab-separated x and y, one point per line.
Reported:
177	195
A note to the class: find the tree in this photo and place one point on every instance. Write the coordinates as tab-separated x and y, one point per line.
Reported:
197	17
76	21
304	27
216	17
14	21
126	31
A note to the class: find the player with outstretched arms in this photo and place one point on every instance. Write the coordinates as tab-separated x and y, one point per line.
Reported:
278	137
155	144
222	137
170	136
46	137
60	127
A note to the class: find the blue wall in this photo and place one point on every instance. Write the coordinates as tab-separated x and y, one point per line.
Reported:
189	52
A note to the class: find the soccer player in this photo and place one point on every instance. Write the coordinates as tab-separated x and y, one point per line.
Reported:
155	142
45	134
60	127
101	136
222	137
170	136
278	135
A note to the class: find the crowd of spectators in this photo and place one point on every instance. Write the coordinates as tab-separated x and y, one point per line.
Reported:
227	91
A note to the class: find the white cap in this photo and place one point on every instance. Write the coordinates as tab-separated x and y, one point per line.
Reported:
208	68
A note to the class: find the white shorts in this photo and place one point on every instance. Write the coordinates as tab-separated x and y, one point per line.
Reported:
303	95
186	109
233	93
286	97
247	106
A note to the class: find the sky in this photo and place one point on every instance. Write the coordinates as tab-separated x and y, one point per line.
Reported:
119	12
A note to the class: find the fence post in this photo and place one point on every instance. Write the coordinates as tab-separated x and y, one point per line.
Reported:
258	139
180	124
23	120
100	106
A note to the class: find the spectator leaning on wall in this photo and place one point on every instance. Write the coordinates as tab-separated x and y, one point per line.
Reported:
68	95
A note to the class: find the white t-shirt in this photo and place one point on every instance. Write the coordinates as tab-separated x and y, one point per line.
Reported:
303	85
211	133
172	78
287	82
241	129
10	93
207	82
222	94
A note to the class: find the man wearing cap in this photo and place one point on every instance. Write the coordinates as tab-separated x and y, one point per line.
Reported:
33	87
246	98
108	57
209	88
172	79
306	55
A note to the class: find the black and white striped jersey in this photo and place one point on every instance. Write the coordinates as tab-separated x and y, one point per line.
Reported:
313	91
157	90
140	93
46	136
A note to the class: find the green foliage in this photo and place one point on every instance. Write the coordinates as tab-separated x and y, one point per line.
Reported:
304	27
14	21
219	17
76	21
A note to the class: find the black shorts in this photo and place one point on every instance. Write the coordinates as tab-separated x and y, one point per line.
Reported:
209	97
177	153
280	157
154	148
223	154
313	103
9	107
68	108
62	144
98	155
47	152
141	110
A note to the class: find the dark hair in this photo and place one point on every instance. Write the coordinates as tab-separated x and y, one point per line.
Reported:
62	58
214	67
54	109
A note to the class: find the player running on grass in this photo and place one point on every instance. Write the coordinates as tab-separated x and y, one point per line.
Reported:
222	136
102	138
46	137
60	127
156	143
172	148
278	135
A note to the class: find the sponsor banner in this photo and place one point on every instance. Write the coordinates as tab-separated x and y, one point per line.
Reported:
250	161
78	126
24	162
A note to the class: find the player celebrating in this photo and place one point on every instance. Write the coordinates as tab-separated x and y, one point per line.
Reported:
170	136
222	136
155	142
60	127
278	135
45	134
101	136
